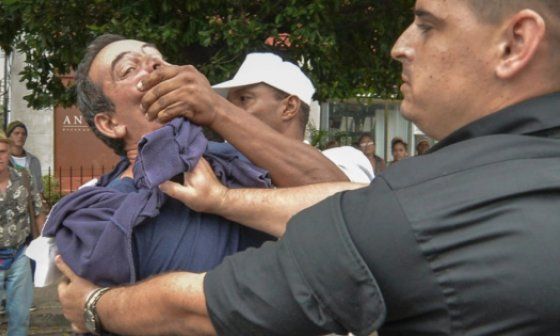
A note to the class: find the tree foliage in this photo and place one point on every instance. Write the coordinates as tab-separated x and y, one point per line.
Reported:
10	25
343	45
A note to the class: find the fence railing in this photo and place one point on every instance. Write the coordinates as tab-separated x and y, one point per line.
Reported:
64	180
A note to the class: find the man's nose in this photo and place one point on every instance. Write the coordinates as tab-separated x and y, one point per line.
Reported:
401	50
153	63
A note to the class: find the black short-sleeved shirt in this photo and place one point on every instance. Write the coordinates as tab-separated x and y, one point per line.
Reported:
462	241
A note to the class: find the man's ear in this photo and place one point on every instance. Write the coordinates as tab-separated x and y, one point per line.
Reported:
109	126
291	108
523	34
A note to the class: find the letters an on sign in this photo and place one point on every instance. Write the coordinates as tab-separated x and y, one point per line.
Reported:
74	123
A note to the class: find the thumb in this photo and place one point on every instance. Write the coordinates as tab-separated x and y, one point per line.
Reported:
171	189
64	268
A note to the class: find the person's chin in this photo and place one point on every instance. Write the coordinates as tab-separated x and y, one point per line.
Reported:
407	110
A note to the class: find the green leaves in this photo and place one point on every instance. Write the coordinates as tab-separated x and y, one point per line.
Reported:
10	25
343	45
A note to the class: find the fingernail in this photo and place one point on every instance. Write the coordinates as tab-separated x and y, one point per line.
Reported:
140	85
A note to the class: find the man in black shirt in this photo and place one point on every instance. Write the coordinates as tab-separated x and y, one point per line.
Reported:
461	241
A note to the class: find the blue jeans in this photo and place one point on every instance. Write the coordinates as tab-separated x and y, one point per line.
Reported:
18	287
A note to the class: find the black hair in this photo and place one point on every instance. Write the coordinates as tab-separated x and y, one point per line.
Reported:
90	97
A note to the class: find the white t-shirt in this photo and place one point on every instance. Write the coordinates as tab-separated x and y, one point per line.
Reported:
352	162
20	161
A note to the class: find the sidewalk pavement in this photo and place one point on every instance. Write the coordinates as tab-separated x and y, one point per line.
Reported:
47	319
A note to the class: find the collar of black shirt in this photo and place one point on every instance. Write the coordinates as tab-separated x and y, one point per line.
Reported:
534	116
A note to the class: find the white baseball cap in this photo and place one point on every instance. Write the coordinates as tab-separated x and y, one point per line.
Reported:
270	69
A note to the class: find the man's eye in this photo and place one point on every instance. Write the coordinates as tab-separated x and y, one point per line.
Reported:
128	71
424	28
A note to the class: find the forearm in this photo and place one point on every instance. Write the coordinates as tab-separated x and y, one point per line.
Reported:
170	304
40	222
269	210
290	162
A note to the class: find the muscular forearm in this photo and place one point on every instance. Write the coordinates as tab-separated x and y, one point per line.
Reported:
269	210
290	162
171	304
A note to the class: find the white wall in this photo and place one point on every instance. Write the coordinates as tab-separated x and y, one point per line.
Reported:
314	119
1	71
40	123
2	80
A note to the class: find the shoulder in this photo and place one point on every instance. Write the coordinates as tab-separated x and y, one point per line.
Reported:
342	151
20	178
352	162
32	158
30	155
470	158
17	172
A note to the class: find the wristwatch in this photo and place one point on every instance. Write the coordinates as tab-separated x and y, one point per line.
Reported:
93	324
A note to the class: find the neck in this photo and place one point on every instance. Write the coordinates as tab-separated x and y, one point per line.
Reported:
18	151
131	155
294	133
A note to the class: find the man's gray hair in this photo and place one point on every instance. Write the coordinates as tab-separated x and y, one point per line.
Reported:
90	97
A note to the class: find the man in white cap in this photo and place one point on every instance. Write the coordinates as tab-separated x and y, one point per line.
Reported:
280	95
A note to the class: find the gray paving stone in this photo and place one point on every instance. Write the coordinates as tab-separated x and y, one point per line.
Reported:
47	319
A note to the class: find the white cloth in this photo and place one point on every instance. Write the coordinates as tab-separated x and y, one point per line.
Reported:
352	162
89	183
43	250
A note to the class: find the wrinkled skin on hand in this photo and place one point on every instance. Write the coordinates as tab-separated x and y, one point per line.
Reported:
72	293
202	191
179	91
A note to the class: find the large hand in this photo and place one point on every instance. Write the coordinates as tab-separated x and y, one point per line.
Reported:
72	293
173	91
201	191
